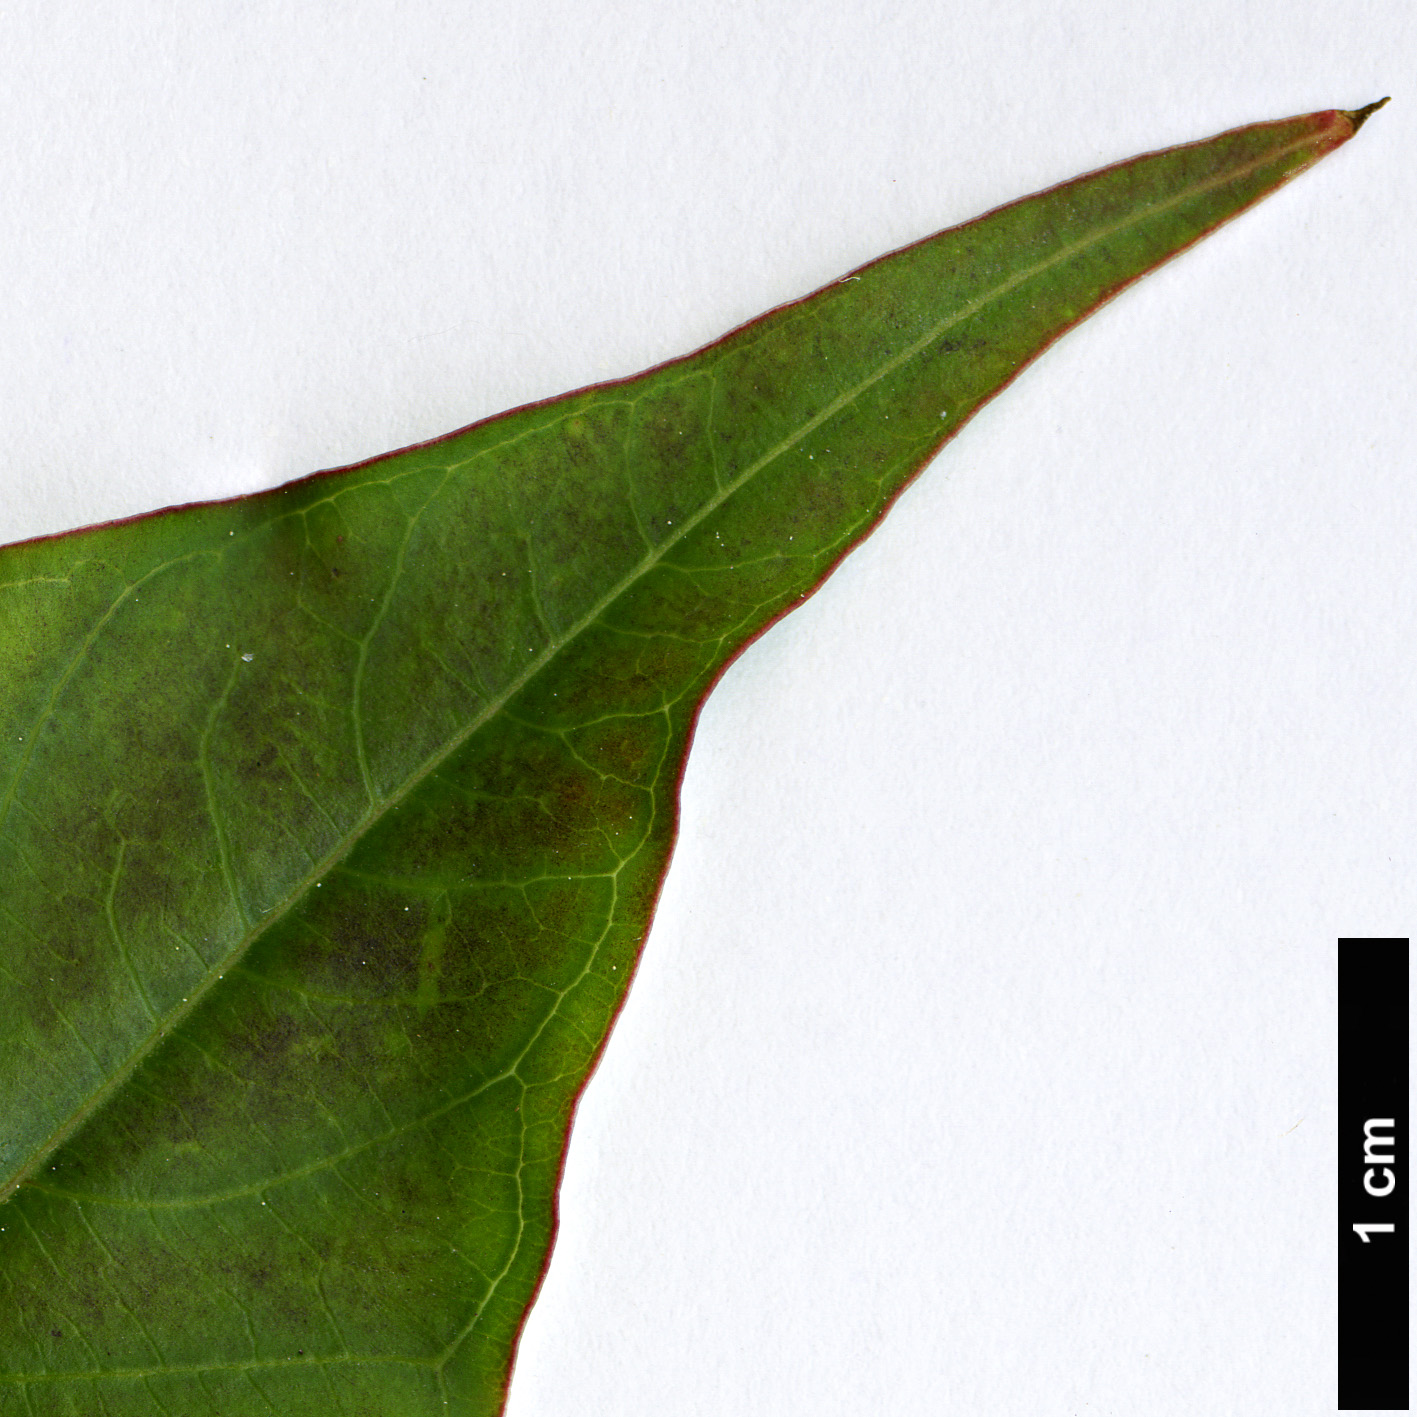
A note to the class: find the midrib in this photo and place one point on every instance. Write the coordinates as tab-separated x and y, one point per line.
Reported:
178	1015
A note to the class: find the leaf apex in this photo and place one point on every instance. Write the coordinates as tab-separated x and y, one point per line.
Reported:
1359	116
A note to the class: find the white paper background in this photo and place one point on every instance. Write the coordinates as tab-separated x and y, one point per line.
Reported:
982	1056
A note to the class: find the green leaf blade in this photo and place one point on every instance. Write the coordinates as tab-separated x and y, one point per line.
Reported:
332	819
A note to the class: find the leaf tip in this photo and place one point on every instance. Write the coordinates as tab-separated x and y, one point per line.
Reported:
1359	116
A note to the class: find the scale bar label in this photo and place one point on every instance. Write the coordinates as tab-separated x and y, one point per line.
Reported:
1373	1171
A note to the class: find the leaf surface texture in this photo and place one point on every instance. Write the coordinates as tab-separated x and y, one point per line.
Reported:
332	818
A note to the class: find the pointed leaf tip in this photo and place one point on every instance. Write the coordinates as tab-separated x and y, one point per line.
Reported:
1359	116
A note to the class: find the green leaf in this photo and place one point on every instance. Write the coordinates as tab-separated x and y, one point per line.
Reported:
332	818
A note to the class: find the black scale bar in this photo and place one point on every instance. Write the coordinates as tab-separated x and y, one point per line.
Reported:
1373	1161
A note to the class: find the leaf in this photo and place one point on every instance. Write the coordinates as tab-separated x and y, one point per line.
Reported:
332	818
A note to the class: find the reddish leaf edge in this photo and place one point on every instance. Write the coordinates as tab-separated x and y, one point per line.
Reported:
1337	117
1354	118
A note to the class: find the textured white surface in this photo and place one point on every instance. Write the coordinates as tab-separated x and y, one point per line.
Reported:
982	1058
